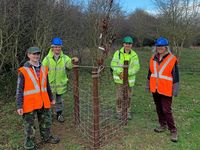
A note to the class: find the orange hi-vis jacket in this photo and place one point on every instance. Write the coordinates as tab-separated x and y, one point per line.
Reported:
35	89
161	79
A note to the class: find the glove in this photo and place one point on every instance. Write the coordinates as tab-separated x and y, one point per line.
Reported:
121	76
75	59
175	89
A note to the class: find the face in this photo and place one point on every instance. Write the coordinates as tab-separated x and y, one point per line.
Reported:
56	49
34	57
127	46
161	49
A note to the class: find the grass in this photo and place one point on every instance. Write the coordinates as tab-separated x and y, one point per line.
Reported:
138	134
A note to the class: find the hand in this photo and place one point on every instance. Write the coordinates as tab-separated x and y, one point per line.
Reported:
20	111
147	88
175	94
121	76
75	59
53	102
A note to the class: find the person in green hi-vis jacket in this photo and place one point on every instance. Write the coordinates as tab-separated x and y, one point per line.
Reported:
58	63
125	53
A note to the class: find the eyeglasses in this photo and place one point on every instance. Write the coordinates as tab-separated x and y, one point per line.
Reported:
37	53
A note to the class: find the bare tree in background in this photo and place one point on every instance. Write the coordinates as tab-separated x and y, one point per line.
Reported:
11	33
142	25
99	31
177	20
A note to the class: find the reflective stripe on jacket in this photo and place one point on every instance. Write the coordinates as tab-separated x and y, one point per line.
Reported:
161	78
117	66
57	71
35	89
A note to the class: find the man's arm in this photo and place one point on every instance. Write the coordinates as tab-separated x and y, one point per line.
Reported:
135	66
115	64
20	93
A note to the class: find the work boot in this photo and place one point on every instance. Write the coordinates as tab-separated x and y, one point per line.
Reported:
160	129
52	140
174	137
35	148
60	117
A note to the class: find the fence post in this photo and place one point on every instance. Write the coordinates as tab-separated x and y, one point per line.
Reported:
96	131
76	94
125	93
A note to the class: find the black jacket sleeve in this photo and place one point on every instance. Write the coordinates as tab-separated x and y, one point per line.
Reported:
49	90
149	74
20	91
175	74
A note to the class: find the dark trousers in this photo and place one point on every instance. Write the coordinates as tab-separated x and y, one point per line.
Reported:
163	107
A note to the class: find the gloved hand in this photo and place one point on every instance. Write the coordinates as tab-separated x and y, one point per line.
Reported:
175	89
75	59
121	76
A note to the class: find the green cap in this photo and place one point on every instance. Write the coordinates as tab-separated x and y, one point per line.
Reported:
33	50
128	39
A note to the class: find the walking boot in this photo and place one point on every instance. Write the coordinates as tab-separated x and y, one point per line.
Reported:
160	129
60	117
174	137
52	140
35	148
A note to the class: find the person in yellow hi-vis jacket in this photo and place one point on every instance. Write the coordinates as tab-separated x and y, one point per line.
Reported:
125	53
58	63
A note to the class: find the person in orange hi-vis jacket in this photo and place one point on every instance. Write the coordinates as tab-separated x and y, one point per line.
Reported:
163	83
34	98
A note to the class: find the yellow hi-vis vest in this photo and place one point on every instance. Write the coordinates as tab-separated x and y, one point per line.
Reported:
57	71
117	66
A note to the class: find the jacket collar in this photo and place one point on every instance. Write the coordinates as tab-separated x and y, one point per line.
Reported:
122	50
27	64
156	57
51	54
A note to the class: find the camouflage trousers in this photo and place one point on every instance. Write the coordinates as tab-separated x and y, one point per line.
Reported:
44	120
120	98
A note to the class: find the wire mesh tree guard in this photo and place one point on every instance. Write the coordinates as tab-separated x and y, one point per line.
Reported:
95	105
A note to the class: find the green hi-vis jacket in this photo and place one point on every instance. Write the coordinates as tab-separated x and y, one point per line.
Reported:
57	71
117	66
